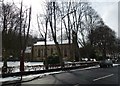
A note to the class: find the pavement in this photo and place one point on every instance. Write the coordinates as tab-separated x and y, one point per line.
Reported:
93	77
86	76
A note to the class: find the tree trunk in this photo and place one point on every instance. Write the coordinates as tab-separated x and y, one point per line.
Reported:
53	30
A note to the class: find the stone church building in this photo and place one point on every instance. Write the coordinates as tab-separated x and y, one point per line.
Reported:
38	50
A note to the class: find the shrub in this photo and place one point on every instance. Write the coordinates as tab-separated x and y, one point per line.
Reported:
53	59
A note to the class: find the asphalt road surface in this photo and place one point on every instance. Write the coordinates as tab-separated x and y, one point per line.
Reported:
90	77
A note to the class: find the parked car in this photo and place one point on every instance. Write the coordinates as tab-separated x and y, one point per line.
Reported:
114	60
106	63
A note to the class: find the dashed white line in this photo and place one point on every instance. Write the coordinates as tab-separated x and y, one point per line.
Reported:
76	85
103	77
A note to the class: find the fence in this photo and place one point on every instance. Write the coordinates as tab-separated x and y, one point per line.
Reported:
14	69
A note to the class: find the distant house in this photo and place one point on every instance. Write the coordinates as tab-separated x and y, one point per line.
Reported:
38	50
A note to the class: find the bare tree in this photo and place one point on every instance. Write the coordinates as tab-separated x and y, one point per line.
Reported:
14	24
24	45
44	31
65	9
92	20
77	19
9	18
82	19
74	21
52	9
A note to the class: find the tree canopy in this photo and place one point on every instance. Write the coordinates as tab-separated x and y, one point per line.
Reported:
103	38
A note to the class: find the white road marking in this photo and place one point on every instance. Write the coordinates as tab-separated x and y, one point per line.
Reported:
76	85
103	77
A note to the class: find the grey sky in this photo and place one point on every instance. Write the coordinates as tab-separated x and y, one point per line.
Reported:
119	19
109	12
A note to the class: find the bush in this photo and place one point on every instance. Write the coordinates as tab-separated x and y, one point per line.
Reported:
99	58
53	59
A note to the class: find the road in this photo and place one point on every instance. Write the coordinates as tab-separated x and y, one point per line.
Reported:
96	76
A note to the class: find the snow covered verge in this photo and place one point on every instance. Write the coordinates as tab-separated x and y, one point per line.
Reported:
30	77
16	64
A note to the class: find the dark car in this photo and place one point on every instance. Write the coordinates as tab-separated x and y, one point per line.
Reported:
106	63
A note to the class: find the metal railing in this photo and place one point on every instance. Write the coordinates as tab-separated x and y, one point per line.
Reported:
14	69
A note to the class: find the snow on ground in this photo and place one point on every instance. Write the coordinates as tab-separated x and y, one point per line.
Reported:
29	77
1	64
33	63
9	79
17	63
26	78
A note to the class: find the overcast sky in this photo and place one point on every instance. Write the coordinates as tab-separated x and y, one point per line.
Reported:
109	13
107	9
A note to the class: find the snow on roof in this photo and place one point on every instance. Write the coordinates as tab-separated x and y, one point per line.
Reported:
50	42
